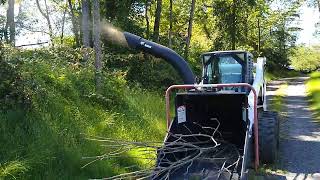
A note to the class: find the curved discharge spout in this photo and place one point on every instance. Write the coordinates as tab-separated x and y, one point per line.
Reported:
136	42
163	52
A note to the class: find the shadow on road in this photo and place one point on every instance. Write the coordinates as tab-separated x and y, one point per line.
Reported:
300	135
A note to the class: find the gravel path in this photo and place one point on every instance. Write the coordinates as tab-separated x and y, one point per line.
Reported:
300	135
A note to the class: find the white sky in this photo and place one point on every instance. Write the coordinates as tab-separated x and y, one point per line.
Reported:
308	19
38	22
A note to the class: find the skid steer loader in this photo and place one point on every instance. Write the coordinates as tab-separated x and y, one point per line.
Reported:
221	127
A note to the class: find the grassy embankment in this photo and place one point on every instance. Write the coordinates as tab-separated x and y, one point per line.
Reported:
313	89
46	137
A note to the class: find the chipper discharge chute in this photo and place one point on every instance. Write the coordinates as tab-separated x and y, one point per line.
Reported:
221	127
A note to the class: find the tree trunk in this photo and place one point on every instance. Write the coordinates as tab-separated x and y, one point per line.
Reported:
79	20
85	23
233	25
246	26
85	28
46	16
318	2
90	24
111	9
156	28
188	40
63	22
97	43
259	37
6	30
147	5
207	31
170	23
75	28
10	24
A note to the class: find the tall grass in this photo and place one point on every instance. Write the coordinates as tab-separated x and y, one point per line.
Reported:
13	169
47	140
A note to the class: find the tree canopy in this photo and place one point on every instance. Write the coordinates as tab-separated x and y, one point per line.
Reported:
263	27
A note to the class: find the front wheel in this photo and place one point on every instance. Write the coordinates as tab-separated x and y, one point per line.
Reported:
268	136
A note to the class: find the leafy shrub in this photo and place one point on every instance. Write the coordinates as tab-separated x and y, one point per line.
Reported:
305	59
143	70
11	87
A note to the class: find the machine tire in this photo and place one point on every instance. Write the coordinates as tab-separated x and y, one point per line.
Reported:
268	136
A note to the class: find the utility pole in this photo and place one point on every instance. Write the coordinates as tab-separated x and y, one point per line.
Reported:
259	36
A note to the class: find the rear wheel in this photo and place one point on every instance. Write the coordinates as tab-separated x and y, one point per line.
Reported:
268	136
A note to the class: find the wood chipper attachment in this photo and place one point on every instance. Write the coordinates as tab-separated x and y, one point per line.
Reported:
221	126
210	133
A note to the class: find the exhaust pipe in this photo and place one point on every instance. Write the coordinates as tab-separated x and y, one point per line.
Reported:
163	52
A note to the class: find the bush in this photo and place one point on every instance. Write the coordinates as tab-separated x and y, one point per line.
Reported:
142	70
305	59
11	87
47	139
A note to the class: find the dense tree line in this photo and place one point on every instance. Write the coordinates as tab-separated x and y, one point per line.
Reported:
263	27
306	59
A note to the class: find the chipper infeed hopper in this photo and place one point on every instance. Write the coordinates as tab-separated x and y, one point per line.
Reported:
221	127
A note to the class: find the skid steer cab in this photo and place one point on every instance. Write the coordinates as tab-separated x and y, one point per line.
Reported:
221	127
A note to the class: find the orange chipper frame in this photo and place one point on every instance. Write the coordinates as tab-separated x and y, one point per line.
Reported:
256	141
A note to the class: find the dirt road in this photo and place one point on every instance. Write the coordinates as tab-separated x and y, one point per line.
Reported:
300	135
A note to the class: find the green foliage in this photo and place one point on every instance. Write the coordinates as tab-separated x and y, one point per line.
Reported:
217	25
280	74
10	78
220	24
13	169
142	70
47	139
305	59
66	41
313	89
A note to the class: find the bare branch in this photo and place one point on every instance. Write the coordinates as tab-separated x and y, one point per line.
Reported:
191	154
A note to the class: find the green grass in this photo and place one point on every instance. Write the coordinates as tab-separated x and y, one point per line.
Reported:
13	168
277	102
313	89
47	139
281	74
